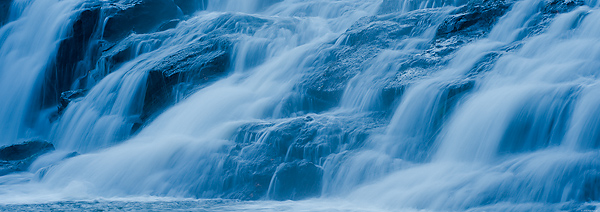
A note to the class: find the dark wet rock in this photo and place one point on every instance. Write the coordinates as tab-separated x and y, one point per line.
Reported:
324	89
561	6
18	157
477	18
114	55
75	56
72	154
474	19
454	92
68	96
263	149
78	54
25	150
549	9
4	11
200	62
247	179
339	63
138	17
169	25
377	31
385	30
485	64
296	180
367	38
191	67
236	23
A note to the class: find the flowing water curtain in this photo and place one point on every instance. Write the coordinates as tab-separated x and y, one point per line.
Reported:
29	43
385	103
517	122
198	128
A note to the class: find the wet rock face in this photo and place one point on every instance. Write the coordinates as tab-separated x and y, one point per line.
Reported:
282	160
477	17
560	6
200	62
139	17
78	54
68	96
548	10
75	56
197	64
4	10
18	157
25	150
297	180
80	51
367	38
114	55
474	19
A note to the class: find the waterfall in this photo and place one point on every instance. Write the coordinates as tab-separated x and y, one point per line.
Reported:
438	105
28	44
511	135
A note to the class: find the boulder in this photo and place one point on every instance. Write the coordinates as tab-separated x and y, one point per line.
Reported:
25	150
68	96
138	16
116	54
473	19
18	157
195	65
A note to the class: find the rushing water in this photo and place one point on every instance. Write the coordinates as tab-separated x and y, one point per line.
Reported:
28	43
304	105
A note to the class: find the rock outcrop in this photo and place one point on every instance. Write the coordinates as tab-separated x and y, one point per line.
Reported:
18	157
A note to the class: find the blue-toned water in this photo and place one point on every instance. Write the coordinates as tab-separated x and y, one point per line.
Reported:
301	105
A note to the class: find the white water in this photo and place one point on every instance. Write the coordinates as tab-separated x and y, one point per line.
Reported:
535	86
193	135
522	138
27	45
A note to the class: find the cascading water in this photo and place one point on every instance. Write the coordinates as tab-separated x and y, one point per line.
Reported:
27	46
338	105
